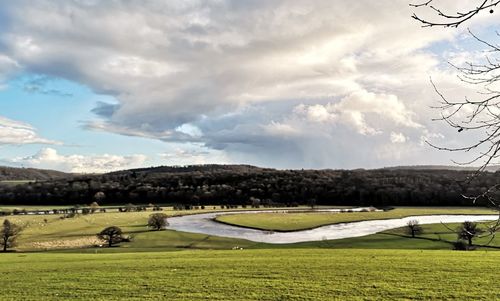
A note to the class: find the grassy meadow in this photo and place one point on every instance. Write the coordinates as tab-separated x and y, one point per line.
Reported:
302	274
55	261
51	232
293	221
45	232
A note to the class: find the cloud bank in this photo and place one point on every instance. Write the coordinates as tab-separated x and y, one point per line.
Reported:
48	158
281	83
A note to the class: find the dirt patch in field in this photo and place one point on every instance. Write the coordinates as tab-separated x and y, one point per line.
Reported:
66	243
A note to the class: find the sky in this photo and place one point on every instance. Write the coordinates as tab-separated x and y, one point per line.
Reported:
96	86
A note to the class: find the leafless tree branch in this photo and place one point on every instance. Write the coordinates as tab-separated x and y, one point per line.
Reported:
478	115
452	19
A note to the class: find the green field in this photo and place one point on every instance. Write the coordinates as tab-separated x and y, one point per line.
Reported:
49	232
307	274
43	232
292	221
171	265
14	182
435	237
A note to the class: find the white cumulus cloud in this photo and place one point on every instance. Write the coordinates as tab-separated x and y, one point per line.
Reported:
49	158
17	133
285	82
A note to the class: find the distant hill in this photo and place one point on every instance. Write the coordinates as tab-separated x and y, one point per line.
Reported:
15	174
197	185
441	167
205	168
33	174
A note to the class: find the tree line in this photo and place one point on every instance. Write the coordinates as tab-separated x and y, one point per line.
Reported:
257	187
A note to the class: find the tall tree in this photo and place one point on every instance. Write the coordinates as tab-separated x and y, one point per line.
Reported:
478	115
8	235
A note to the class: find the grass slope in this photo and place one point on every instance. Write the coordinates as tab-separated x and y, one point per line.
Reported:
44	232
309	274
435	237
307	220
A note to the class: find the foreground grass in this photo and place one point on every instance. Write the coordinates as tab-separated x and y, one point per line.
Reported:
309	274
292	221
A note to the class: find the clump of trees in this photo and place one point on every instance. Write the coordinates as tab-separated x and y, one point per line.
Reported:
8	235
112	235
413	228
157	221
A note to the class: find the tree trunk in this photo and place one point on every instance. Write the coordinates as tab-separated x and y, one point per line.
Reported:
110	242
470	241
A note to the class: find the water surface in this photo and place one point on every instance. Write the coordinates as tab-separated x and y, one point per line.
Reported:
204	224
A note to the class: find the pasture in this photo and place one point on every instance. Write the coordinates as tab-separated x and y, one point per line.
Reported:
306	274
293	221
51	232
172	265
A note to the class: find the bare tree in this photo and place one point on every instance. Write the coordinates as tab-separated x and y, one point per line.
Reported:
99	196
468	231
453	19
478	115
8	234
157	221
413	228
94	206
112	235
